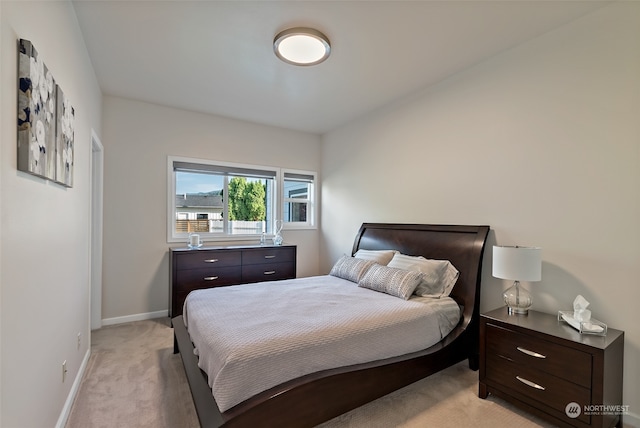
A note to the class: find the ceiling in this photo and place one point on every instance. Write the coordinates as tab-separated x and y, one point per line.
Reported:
217	56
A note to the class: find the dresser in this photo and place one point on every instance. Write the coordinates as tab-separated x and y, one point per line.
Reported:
209	267
547	368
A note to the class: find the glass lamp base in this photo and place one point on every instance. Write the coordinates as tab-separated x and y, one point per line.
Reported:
517	299
517	311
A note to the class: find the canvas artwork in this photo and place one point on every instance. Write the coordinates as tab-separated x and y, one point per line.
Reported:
64	139
45	120
36	114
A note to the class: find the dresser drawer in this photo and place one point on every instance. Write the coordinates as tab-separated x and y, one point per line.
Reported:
201	259
268	272
268	255
557	360
549	390
188	280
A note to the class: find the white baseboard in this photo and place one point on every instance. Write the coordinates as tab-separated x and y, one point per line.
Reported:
135	317
66	409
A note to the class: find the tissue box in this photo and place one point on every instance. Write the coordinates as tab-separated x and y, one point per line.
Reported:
593	326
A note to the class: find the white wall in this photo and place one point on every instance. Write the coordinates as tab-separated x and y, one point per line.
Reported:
44	250
542	143
137	139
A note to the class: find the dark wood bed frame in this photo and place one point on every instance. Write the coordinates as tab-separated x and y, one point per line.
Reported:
318	397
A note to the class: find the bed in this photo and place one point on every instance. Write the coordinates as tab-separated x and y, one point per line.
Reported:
319	396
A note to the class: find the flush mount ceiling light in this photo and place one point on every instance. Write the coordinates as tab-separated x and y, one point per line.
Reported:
301	46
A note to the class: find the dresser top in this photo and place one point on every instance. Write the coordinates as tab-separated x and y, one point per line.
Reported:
229	247
548	324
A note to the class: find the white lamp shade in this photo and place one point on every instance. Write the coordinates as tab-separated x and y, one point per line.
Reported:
517	263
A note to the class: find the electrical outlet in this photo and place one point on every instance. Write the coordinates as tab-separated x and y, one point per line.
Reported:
64	370
79	340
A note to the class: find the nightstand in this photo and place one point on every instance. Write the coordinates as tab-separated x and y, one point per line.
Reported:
549	369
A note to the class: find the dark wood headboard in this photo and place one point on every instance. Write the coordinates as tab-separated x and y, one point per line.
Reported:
463	246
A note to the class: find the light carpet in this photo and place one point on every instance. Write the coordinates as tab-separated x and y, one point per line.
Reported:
134	380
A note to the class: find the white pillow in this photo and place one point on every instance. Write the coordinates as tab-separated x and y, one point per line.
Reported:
395	282
382	257
438	276
350	268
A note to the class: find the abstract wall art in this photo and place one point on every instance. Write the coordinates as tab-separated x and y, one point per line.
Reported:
65	117
45	120
36	114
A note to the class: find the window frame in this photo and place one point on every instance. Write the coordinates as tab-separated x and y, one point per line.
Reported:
277	200
311	200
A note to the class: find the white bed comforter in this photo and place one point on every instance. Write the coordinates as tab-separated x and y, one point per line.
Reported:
252	337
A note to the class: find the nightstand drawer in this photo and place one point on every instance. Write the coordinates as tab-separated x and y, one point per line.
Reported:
523	380
557	360
198	259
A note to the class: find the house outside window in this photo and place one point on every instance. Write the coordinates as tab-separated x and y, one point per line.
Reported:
227	201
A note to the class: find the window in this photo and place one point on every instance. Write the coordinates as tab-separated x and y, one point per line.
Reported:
298	197
226	201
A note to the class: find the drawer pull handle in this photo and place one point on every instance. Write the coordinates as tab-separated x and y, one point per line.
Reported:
269	272
531	384
211	260
210	278
531	353
269	257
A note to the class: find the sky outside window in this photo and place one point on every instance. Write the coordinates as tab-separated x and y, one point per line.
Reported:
190	182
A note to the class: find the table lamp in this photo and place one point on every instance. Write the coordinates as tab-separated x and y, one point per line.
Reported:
517	264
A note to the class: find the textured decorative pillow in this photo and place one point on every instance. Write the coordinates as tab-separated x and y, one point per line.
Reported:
438	276
396	282
382	257
350	268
